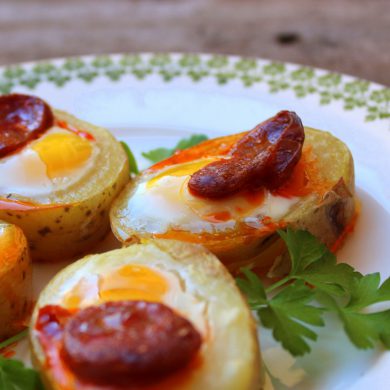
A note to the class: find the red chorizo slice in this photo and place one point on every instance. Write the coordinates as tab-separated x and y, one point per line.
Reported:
51	320
22	119
266	156
128	341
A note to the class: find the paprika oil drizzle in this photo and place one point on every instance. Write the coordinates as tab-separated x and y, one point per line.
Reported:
82	133
17	205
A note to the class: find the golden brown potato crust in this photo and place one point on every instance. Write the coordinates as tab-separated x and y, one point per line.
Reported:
15	280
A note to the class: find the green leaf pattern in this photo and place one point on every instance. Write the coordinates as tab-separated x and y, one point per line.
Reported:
301	80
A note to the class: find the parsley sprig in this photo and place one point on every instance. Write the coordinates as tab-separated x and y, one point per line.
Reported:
15	376
159	154
130	156
293	306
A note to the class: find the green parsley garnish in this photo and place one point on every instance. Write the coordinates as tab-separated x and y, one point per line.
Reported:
159	154
316	284
15	376
130	156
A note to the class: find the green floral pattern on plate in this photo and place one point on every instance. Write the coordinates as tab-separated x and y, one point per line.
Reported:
302	81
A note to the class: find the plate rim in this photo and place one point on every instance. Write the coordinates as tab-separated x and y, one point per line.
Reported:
329	86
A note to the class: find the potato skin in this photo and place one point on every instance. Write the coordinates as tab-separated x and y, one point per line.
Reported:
201	274
325	217
65	231
15	280
77	219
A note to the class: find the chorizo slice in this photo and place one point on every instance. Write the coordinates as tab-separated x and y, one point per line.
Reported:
266	156
22	119
128	341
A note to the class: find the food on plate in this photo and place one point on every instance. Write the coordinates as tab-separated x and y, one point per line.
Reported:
158	315
59	176
15	280
232	194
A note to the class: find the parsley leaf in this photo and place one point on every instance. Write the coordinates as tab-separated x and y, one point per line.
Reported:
303	248
312	262
130	156
367	290
366	329
195	139
159	154
253	289
15	376
287	313
296	308
362	328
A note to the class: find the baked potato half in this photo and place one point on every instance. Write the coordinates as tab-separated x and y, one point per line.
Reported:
15	280
59	186
241	229
186	278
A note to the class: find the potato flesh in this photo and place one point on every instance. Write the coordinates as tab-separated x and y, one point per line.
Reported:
15	280
78	218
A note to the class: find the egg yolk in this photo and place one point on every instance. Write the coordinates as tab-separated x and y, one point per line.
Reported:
133	282
181	170
62	152
130	282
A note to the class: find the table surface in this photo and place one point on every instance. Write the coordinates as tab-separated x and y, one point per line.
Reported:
350	36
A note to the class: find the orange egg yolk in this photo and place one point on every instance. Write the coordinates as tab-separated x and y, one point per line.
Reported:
130	282
179	170
62	152
133	282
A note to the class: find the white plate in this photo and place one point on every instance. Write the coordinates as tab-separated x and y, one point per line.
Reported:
153	100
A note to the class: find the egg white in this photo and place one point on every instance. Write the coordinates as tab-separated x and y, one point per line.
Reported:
167	204
25	174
